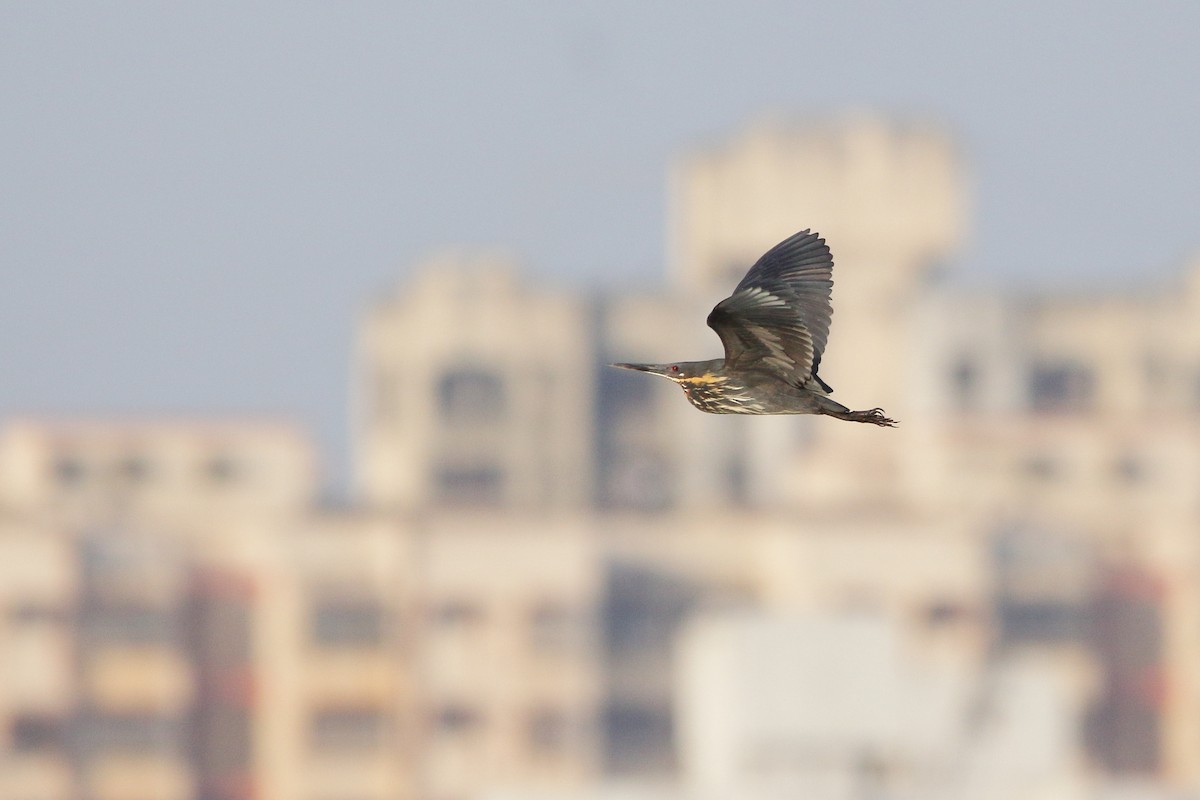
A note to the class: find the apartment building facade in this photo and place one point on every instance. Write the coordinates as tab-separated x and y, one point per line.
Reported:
506	603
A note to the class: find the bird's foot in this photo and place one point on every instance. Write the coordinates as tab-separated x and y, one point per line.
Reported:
875	416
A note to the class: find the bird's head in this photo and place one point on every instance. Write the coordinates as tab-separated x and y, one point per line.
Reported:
679	372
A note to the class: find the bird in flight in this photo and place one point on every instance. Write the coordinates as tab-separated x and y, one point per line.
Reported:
774	328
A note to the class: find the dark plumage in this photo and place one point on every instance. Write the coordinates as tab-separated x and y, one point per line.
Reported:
774	328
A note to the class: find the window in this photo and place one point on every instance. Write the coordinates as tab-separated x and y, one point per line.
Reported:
737	475
644	608
1040	621
553	627
620	394
1061	386
1125	725
222	740
134	469
549	731
456	614
945	613
638	478
223	469
470	485
348	729
220	628
129	624
1155	371
33	614
348	623
132	733
637	738
456	719
964	384
69	471
471	395
31	733
1129	469
385	394
1042	468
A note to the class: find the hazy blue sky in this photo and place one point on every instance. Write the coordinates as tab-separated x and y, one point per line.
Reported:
197	199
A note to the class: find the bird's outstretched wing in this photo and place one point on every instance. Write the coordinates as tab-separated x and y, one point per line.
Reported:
777	319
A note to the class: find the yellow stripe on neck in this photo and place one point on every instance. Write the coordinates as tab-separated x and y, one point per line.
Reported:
707	377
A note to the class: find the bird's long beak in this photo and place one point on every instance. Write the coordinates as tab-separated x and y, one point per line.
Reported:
653	369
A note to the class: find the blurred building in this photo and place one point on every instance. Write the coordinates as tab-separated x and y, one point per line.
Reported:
38	685
928	581
108	528
197	627
100	472
474	390
841	705
560	580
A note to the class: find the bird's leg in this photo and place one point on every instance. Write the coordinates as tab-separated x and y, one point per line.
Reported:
875	416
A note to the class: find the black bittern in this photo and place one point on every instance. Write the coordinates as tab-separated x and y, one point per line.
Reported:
774	328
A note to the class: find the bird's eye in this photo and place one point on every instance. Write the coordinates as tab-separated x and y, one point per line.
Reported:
674	368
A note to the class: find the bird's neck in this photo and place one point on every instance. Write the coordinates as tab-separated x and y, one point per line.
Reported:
714	368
